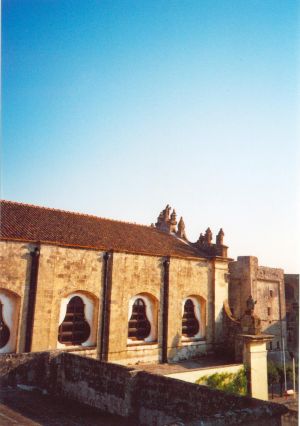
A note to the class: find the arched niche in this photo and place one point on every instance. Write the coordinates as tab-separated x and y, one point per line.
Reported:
151	311
10	306
89	308
199	305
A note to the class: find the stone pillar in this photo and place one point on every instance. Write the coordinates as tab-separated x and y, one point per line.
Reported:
165	313
255	359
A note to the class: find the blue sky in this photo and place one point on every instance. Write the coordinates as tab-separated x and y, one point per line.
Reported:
117	108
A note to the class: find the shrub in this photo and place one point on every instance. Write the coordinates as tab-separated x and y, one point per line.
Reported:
235	383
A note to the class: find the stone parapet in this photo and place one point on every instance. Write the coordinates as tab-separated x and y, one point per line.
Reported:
141	397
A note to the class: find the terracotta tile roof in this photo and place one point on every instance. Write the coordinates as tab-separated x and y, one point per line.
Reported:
25	222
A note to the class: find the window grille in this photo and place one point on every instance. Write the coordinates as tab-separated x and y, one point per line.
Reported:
74	330
190	324
139	326
4	330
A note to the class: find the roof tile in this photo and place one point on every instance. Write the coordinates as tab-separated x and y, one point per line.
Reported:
26	222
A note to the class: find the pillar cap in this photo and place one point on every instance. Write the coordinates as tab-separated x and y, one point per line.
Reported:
257	337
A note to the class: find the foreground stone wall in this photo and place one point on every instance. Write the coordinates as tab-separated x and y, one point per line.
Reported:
143	398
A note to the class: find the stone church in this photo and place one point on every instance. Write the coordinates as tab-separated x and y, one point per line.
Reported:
118	291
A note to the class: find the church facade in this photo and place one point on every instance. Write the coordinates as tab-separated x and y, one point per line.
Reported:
116	291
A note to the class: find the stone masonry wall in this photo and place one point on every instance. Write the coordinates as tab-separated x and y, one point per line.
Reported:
221	294
61	272
15	263
143	398
266	285
188	278
132	275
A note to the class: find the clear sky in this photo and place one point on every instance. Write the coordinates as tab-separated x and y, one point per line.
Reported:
117	108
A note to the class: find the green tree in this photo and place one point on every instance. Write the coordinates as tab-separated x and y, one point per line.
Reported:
273	375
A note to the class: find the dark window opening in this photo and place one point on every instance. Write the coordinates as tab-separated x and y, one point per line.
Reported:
269	311
4	330
271	346
139	326
271	293
289	292
278	345
74	330
190	324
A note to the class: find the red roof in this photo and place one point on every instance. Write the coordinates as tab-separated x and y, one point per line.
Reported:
23	222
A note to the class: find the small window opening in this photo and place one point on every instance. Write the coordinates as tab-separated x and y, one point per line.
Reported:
74	330
269	311
190	324
278	345
139	326
271	293
270	346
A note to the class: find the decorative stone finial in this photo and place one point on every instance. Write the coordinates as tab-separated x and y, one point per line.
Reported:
220	237
165	222
166	212
173	217
208	236
201	239
181	229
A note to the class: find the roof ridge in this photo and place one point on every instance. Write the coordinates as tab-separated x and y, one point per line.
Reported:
76	213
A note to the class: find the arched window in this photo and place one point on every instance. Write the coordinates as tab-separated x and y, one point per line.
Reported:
9	320
139	326
4	330
193	318
74	330
190	324
142	319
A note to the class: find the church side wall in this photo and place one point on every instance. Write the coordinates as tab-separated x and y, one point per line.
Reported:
14	259
63	271
133	275
188	278
144	275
